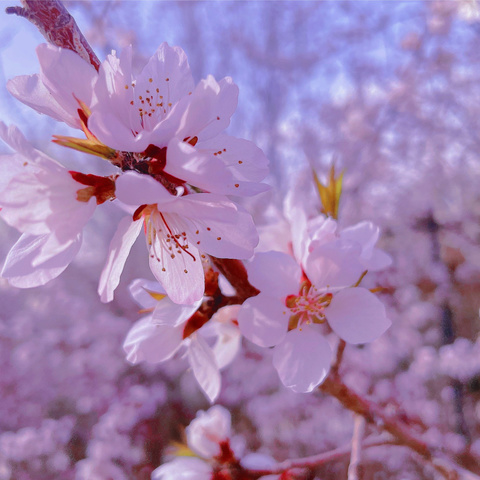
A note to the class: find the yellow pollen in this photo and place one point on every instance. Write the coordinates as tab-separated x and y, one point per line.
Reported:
150	80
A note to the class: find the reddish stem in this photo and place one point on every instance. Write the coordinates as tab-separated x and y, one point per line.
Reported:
57	26
236	273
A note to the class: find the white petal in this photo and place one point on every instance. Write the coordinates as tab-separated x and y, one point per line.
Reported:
379	260
173	314
225	230
264	320
364	233
208	429
168	62
14	138
111	130
302	359
203	171
212	104
245	162
151	343
258	461
120	246
357	315
31	91
205	369
227	333
10	166
67	76
182	276
139	289
334	265
19	269
134	188
184	468
275	273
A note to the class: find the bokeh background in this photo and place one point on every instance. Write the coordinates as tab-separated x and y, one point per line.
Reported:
390	92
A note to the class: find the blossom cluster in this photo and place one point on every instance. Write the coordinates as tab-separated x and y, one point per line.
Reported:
179	178
175	170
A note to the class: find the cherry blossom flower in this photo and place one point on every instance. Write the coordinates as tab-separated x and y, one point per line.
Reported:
208	436
176	229
288	314
158	114
162	115
323	233
49	205
64	80
170	326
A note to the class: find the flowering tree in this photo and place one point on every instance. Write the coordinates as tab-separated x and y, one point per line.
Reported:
312	294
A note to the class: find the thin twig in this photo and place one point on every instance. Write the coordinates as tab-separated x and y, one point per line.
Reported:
356	455
322	458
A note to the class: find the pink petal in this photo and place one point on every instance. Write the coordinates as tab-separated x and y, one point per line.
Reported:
264	320
227	334
275	273
205	369
168	313
139	289
14	138
378	260
151	343
334	265
122	241
203	171
364	233
168	62
225	229
67	76
207	430
302	359
242	156
19	269
30	90
182	277
112	130
212	104
134	188
184	468
357	316
10	166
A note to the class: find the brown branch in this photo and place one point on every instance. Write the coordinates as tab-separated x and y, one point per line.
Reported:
403	434
57	26
338	357
321	458
374	414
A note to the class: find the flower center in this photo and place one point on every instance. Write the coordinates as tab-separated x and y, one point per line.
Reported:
308	306
150	101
